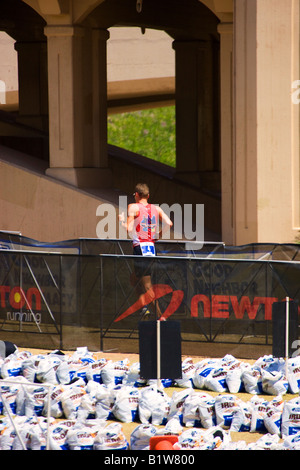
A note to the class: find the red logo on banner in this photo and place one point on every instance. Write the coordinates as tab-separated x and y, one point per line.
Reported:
157	291
218	306
17	298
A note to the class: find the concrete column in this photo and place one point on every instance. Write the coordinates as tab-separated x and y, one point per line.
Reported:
227	156
266	46
245	123
196	145
99	105
72	114
33	83
65	93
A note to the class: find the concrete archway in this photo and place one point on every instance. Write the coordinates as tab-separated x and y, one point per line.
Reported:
26	27
76	44
196	42
258	158
83	158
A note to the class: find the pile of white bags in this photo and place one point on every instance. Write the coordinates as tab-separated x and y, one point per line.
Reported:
63	435
266	375
87	391
215	438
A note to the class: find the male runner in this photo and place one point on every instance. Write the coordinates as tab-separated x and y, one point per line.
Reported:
143	226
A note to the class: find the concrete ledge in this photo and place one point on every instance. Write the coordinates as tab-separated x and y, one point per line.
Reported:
82	177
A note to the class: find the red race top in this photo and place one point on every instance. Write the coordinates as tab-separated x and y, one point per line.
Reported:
146	224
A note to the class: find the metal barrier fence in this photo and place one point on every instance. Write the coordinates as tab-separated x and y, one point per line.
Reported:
81	292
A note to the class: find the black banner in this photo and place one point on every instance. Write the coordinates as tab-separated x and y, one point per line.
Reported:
81	291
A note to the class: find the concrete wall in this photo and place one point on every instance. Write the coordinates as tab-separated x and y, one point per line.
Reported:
132	56
42	208
259	59
266	122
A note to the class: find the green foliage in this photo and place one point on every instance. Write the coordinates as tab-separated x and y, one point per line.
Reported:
149	132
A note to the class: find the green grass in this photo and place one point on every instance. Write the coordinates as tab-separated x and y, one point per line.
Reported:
149	132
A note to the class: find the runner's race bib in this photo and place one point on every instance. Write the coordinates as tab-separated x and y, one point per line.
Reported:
147	248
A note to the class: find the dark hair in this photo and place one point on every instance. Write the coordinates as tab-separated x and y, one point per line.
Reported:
142	189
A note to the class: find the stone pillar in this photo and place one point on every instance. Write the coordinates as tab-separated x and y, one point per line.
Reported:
71	109
245	123
227	156
99	105
33	83
196	133
266	141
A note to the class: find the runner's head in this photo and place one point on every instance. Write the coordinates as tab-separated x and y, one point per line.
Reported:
142	190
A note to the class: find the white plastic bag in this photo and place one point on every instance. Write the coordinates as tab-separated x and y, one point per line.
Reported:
70	401
201	374
273	417
191	439
56	410
29	367
8	435
93	372
292	442
12	366
241	419
259	410
113	372
188	371
67	370
216	382
58	437
177	402
126	402
38	436
11	393
154	405
215	438
104	402
46	369
83	355
87	407
140	436
225	407
291	417
80	438
190	411
234	379
203	369
111	438
272	420
228	361
207	412
252	381
173	427
266	442
274	383
294	374
34	400
265	362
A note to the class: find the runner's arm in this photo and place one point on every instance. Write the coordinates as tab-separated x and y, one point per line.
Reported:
132	213
165	220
